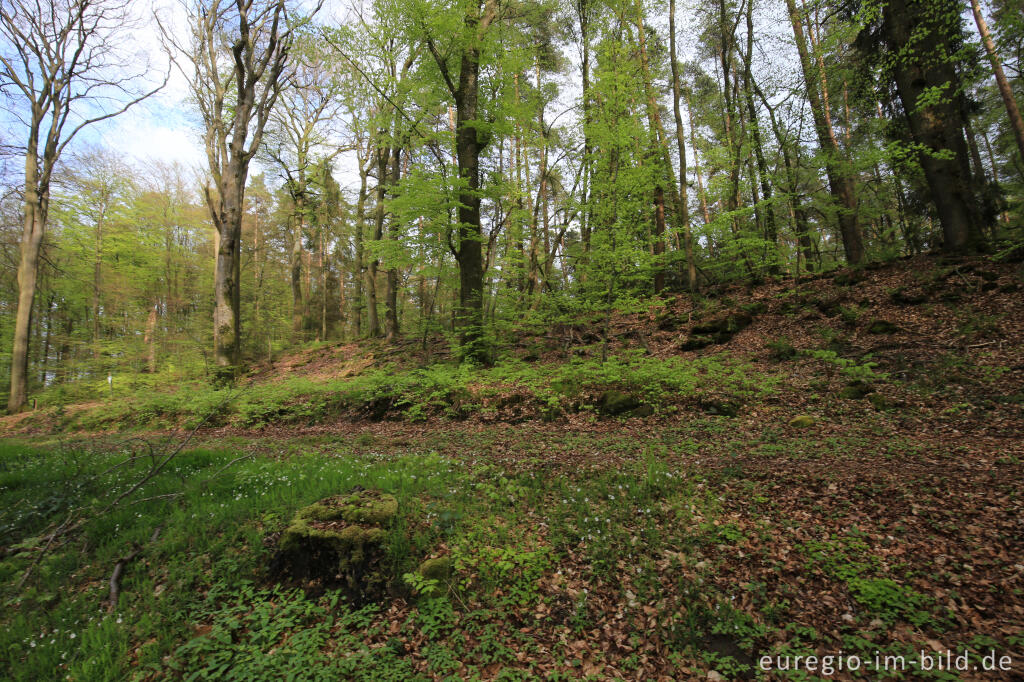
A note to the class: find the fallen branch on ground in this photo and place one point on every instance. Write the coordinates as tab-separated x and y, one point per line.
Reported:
115	577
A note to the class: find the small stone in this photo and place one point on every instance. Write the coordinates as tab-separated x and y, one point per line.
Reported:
715	676
848	618
724	408
876	623
436	569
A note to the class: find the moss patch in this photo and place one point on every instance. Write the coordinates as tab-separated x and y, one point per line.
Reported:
340	542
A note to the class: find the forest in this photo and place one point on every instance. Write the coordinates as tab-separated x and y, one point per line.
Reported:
512	339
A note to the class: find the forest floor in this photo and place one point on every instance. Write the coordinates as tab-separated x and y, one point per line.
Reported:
830	468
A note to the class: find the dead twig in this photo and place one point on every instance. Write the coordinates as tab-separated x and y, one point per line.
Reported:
115	577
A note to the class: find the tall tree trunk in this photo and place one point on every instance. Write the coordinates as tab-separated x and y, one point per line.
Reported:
701	195
770	230
226	314
684	218
295	263
797	210
391	288
150	340
34	226
44	357
383	155
658	129
839	179
659	240
939	125
469	141
357	268
586	216
1012	110
97	281
470	252
323	285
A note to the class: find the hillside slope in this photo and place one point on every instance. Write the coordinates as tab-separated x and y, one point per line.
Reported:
925	338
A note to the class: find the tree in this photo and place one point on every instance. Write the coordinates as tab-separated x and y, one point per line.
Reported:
236	64
684	218
300	129
459	64
61	70
839	179
923	52
1009	101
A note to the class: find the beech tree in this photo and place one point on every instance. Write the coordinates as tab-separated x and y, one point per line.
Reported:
61	69
236	61
458	59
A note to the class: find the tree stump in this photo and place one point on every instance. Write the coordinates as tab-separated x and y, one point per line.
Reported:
340	542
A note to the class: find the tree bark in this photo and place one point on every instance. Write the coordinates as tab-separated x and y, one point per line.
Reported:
28	271
468	144
295	260
684	218
939	125
357	268
1012	110
770	231
373	316
839	180
391	288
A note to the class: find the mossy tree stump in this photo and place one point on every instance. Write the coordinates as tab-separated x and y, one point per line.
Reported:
341	543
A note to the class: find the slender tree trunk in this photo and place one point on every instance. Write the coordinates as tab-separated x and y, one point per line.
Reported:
972	145
684	218
357	269
659	241
97	281
586	217
45	356
323	286
383	156
391	288
770	230
696	163
150	340
1012	110
656	127
298	299
839	180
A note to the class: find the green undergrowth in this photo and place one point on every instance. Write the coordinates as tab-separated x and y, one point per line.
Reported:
197	603
443	390
522	558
